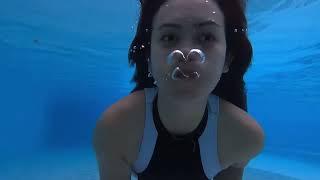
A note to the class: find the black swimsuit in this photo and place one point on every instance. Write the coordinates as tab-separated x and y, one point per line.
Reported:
175	156
165	156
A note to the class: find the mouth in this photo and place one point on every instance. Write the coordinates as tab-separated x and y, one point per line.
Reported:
185	74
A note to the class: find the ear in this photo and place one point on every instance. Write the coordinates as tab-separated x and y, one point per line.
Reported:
228	61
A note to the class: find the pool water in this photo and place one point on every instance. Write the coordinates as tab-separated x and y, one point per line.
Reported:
62	63
80	164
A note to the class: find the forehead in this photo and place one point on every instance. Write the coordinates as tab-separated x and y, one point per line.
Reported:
188	12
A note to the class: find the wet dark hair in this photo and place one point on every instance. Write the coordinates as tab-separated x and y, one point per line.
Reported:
231	86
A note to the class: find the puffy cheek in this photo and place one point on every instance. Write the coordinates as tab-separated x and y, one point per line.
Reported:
158	66
213	75
216	57
213	71
159	61
215	63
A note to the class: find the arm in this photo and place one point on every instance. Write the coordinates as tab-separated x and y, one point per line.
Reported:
109	149
235	171
245	140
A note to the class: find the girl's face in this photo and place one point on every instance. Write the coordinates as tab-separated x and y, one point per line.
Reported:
184	25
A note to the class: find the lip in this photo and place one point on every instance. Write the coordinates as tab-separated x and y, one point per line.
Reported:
189	69
181	77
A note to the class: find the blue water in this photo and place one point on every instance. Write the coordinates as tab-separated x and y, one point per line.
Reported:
63	62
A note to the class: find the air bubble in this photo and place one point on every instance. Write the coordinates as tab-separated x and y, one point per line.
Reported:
170	59
175	73
200	53
207	1
170	56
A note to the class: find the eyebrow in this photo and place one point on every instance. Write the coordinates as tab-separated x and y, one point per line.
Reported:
205	23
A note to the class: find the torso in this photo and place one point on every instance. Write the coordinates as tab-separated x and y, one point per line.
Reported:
135	127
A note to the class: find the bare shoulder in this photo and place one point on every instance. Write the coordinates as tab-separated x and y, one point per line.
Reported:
242	138
114	137
123	108
121	124
240	120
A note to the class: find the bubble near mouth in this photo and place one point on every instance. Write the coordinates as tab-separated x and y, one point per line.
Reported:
178	74
195	56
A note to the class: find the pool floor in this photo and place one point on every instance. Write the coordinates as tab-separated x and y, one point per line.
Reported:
81	165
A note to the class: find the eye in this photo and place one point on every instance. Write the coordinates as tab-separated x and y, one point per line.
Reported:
207	37
168	37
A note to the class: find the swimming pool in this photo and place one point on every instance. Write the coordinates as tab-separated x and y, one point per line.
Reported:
62	63
80	164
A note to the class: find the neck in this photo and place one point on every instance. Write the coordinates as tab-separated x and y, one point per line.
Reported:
181	114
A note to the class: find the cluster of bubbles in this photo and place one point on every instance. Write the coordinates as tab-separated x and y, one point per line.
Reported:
177	73
142	46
